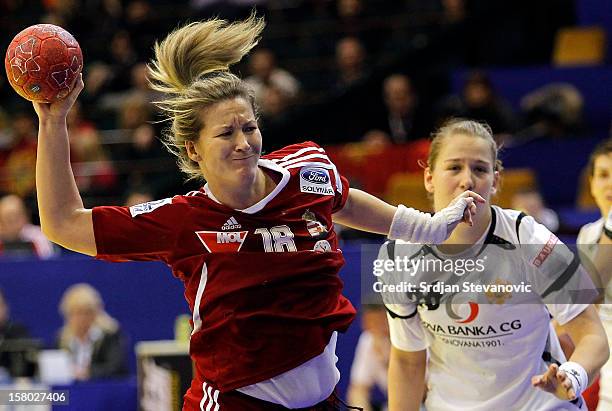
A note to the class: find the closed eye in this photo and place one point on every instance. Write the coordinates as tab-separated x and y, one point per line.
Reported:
226	133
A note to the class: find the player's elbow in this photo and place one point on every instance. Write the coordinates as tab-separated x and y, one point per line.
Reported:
49	230
56	233
73	231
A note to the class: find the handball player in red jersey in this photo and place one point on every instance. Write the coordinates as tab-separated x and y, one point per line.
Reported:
255	247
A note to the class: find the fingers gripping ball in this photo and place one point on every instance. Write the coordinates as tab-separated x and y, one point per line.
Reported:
42	63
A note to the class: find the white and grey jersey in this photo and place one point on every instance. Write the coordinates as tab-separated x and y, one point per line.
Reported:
485	342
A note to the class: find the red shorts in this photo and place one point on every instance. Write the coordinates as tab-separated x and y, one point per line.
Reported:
204	397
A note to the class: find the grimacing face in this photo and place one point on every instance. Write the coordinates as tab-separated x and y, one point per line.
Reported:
601	183
464	162
229	144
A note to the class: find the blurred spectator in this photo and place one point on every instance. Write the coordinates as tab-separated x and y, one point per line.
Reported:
453	27
265	74
401	119
138	195
140	83
350	63
554	110
351	18
375	140
17	234
144	161
134	113
453	10
530	202
479	101
6	134
90	335
371	359
9	330
349	9
94	172
18	156
228	9
95	20
123	57
139	89
142	20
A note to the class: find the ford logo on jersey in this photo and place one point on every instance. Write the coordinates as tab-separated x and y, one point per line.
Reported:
314	180
315	175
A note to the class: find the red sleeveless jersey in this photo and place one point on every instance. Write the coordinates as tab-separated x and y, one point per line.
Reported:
262	283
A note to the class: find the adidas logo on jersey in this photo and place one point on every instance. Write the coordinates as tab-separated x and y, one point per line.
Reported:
231	224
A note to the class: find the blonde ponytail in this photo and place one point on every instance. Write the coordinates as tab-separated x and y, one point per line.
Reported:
191	67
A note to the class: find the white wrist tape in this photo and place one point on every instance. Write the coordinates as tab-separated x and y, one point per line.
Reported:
577	375
418	227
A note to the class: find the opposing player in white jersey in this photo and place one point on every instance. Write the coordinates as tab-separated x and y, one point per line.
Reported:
492	350
595	245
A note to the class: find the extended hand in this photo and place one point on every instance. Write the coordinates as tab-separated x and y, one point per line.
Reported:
461	209
556	382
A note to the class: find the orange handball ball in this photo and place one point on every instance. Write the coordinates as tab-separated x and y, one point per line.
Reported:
42	63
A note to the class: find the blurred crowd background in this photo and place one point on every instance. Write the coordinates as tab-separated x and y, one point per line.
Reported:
369	80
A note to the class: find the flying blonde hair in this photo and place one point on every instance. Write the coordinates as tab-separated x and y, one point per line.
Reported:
191	66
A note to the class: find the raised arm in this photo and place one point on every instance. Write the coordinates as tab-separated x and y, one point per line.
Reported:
365	212
63	218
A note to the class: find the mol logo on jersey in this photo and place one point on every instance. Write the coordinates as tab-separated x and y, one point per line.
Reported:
222	242
315	180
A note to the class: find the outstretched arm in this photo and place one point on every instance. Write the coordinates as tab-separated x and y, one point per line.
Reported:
365	212
63	218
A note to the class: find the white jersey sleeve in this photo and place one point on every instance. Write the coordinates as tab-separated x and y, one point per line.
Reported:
588	237
407	334
555	272
405	328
